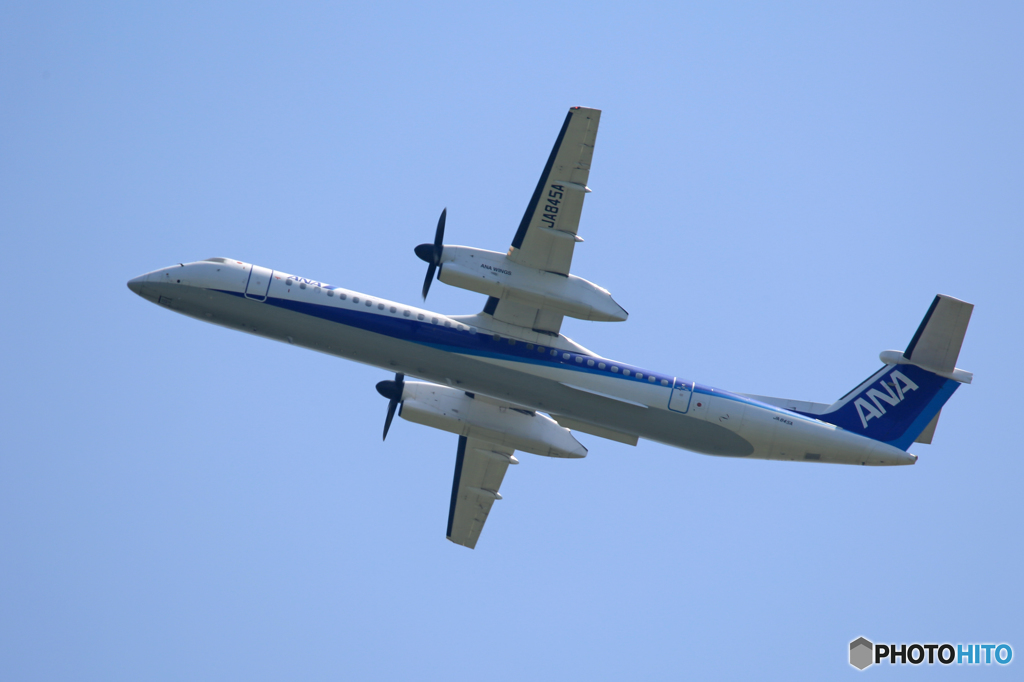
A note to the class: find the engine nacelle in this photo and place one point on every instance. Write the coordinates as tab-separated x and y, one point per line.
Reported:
493	274
452	410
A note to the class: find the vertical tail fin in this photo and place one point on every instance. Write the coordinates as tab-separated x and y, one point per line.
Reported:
900	403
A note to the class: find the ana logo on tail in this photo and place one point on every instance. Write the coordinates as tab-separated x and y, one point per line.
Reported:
895	390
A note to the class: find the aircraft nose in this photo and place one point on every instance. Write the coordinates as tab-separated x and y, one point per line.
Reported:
136	284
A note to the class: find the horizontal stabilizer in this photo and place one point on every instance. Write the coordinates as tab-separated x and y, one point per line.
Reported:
936	345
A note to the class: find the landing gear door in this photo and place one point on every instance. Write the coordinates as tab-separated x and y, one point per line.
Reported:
682	392
259	283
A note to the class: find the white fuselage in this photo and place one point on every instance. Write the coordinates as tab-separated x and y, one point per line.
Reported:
481	355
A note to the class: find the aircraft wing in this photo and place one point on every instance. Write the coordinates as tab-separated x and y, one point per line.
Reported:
547	233
479	469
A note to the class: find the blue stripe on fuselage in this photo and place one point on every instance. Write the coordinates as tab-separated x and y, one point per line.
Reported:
482	344
452	339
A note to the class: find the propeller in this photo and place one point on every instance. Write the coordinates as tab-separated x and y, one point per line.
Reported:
392	390
431	253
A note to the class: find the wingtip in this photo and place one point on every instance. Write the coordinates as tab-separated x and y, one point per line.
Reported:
454	542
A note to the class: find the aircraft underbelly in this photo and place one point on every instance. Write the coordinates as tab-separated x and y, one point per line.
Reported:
719	427
460	371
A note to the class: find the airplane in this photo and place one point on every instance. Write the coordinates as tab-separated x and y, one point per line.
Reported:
506	379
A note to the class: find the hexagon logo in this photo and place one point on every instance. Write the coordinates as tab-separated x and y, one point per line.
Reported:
862	653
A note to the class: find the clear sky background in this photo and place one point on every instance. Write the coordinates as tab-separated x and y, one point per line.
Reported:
779	192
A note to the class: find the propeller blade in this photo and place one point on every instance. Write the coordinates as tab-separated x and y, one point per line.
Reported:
439	233
427	281
392	390
431	253
391	415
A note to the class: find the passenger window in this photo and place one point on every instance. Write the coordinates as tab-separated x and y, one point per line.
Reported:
511	342
302	285
614	368
626	372
601	365
380	306
407	313
355	299
590	363
369	304
343	296
639	375
540	349
394	309
565	356
497	337
447	323
330	293
433	320
289	281
579	358
420	317
529	346
554	353
650	379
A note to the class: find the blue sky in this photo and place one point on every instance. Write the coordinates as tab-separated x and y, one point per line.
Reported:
779	192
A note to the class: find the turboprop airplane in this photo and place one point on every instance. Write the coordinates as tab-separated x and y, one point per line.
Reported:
506	379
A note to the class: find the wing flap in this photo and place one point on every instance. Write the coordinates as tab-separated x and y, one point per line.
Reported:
479	471
524	315
600	431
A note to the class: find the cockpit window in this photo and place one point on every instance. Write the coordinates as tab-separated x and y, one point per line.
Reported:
216	260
